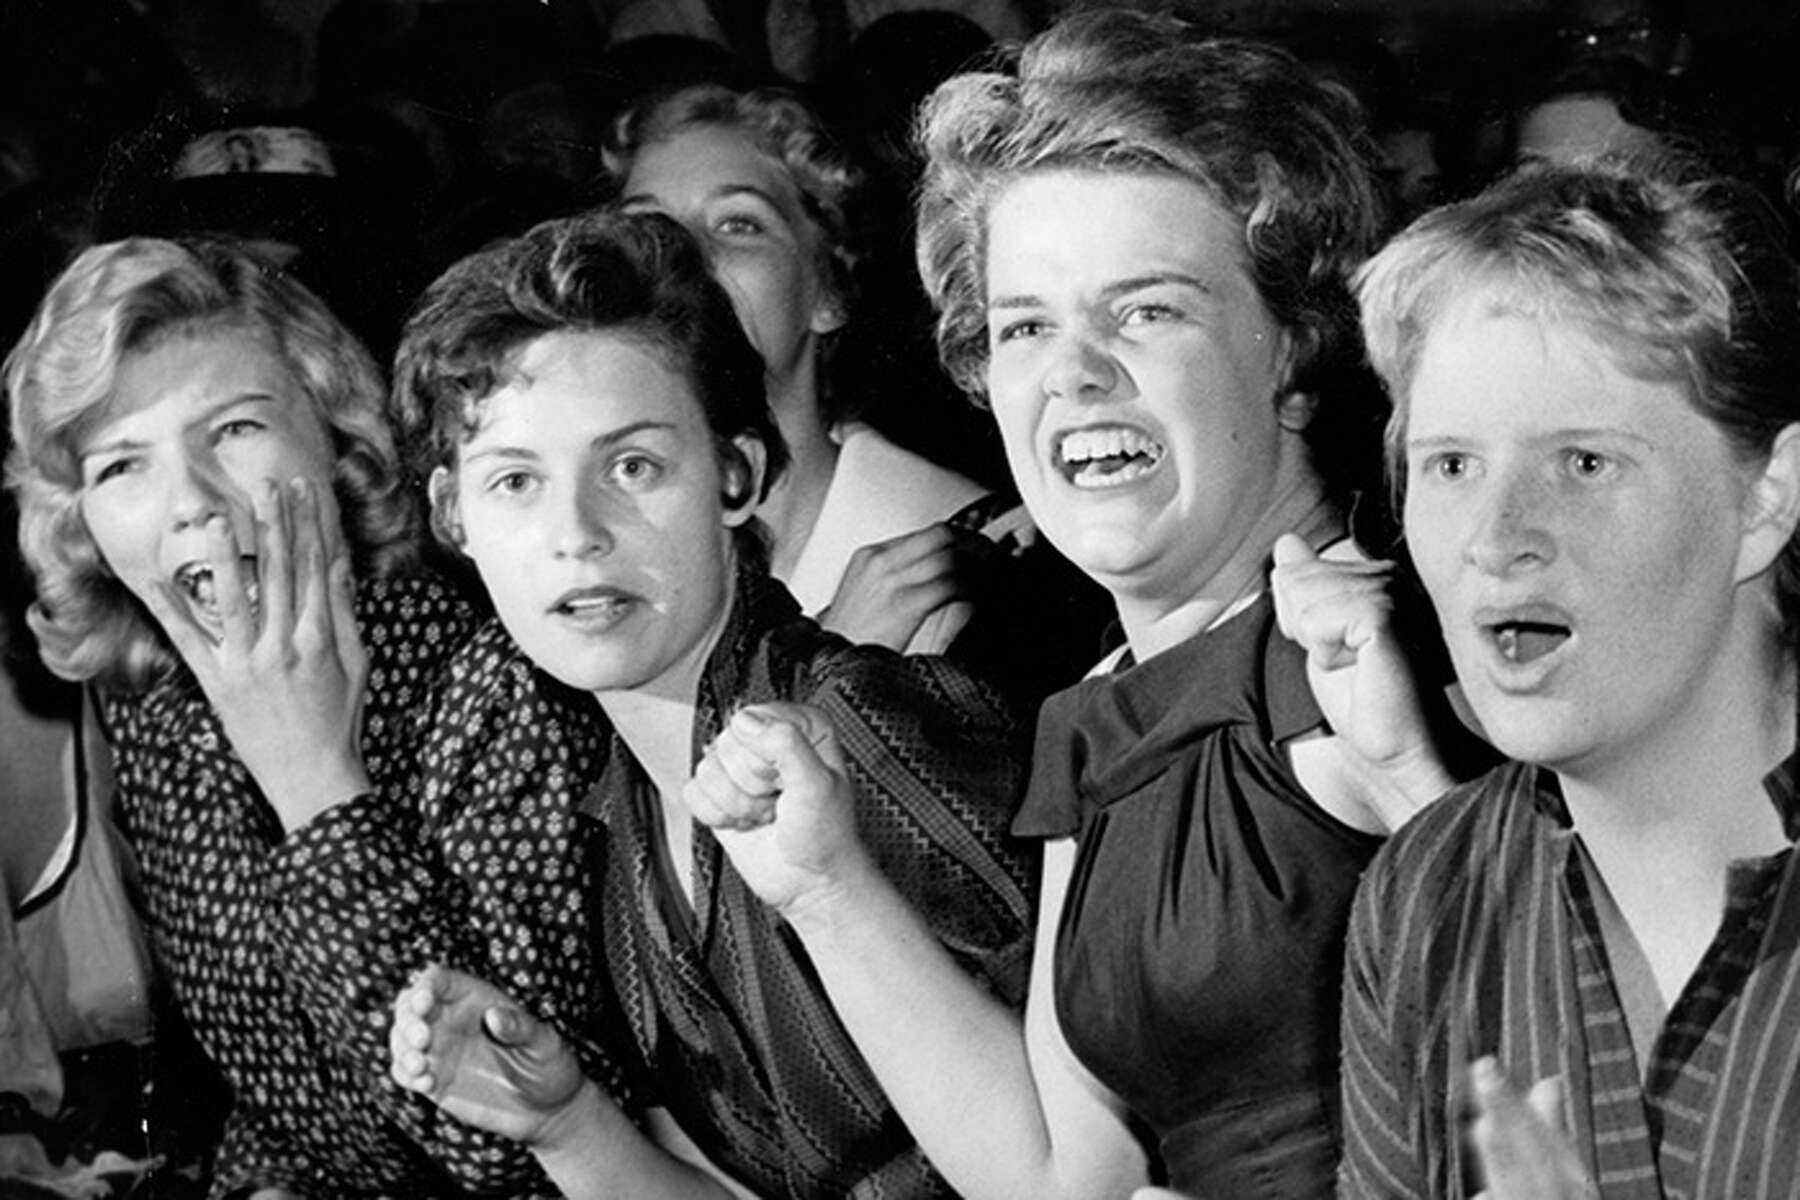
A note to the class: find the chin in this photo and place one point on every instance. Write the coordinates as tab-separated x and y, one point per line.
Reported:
1535	732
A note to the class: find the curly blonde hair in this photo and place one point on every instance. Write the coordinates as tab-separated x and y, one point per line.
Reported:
120	299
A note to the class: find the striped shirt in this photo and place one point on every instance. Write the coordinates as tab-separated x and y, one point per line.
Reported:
1476	932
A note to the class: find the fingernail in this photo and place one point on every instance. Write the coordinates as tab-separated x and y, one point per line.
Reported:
751	719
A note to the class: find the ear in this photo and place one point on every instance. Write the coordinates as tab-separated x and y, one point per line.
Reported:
743	477
446	522
829	310
1771	508
1294	410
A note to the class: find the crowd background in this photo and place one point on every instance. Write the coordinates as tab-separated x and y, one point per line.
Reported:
445	123
415	131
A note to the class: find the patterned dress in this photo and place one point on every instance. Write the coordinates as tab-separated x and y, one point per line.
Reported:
735	1033
312	1110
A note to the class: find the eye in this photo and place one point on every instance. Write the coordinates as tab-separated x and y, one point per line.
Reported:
111	469
739	225
1587	464
1013	331
1446	465
236	427
634	472
1149	314
511	483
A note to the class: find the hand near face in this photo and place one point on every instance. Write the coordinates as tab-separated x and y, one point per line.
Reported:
1521	1140
463	1043
774	790
286	671
910	593
1338	608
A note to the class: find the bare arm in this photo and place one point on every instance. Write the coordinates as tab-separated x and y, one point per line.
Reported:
1000	1106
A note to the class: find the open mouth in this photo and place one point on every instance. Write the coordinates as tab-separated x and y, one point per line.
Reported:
195	581
592	604
1527	641
1107	457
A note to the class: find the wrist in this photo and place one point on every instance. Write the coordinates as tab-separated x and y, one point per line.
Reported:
1406	783
299	802
576	1122
832	906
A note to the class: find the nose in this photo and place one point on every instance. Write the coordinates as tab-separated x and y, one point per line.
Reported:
584	528
1512	530
1080	368
197	492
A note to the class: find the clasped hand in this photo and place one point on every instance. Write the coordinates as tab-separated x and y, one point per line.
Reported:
774	789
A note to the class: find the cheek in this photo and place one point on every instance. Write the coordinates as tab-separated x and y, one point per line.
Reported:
117	531
1431	540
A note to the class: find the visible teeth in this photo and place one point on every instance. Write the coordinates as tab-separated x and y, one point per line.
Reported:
196	579
585	603
1525	641
1088	444
1104	458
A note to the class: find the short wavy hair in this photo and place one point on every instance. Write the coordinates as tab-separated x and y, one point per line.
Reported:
1120	91
635	273
124	298
1681	275
832	185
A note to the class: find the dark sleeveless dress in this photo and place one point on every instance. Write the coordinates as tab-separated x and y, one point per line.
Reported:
1200	948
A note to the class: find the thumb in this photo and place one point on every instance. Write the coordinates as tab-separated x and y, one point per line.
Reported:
508	1025
1292	550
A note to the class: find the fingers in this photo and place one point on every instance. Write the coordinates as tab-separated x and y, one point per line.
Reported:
762	751
1332	606
231	587
275	543
409	1035
1548	1099
1291	550
1523	1154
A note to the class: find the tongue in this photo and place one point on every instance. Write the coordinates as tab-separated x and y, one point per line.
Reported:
1110	464
1523	643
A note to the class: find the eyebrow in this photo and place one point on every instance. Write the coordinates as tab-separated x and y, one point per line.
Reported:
604	441
726	192
1570	434
1115	289
116	445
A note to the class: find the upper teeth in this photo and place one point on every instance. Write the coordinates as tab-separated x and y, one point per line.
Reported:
1087	444
196	579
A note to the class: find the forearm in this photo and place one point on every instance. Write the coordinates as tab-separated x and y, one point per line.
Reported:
593	1152
1402	787
953	1058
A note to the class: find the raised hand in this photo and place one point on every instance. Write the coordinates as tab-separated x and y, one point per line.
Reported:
1522	1141
1337	607
463	1043
286	670
911	593
773	788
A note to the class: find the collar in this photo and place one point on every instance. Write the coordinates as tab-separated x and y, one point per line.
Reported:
1780	785
1125	727
878	491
